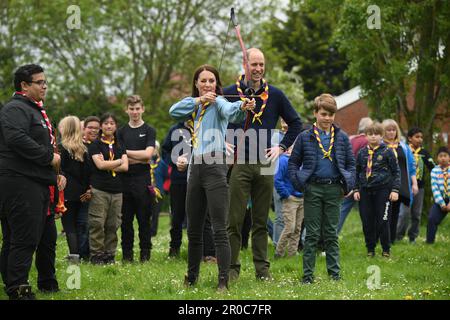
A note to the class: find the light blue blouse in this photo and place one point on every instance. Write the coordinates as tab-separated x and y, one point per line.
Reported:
212	131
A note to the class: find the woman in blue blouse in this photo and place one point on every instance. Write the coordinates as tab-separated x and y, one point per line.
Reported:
209	115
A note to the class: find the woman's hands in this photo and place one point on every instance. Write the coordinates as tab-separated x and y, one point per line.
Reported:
207	97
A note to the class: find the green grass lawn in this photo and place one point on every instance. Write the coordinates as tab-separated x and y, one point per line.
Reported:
413	272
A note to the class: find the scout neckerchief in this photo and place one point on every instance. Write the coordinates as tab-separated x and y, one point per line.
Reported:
40	106
394	147
264	97
188	125
445	172
153	166
110	144
191	122
326	154
370	160
417	158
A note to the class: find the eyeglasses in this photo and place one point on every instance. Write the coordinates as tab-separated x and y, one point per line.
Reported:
40	83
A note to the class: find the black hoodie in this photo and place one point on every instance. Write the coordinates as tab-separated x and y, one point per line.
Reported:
25	147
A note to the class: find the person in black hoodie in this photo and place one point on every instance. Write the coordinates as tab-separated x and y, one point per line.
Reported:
377	186
27	170
178	138
74	164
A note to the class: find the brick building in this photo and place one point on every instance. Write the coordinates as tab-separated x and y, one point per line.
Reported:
351	108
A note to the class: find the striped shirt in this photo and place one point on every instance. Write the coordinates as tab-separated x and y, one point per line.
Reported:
437	185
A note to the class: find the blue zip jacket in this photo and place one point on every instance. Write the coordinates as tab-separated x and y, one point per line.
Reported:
283	185
411	169
305	153
385	170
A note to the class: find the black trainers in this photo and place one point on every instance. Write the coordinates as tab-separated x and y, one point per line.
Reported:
145	256
223	285
127	256
49	287
266	276
335	277
97	259
23	292
174	252
109	258
307	280
189	282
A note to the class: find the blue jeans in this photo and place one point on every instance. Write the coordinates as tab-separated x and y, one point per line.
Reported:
278	225
347	205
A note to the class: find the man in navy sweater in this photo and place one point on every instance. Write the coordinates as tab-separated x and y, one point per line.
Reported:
249	178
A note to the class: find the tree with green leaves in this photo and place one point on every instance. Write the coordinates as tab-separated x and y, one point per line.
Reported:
304	40
410	49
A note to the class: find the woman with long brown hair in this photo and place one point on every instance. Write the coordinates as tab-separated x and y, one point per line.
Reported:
209	114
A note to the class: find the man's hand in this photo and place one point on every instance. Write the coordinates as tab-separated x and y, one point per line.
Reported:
348	195
56	161
393	196
356	196
446	208
182	162
61	182
248	104
415	189
86	196
273	153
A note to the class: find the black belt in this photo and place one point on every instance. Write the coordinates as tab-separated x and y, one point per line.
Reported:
326	180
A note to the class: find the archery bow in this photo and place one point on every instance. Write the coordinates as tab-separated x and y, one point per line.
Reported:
249	91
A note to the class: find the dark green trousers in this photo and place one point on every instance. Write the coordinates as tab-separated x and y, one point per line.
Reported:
247	182
322	207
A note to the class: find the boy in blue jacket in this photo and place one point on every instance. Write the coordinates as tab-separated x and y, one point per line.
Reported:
328	173
291	207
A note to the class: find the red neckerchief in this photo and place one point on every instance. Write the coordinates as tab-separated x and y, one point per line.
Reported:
40	106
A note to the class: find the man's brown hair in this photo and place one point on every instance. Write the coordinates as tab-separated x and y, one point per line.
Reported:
325	101
133	100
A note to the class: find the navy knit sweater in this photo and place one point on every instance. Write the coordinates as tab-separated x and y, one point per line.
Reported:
277	106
